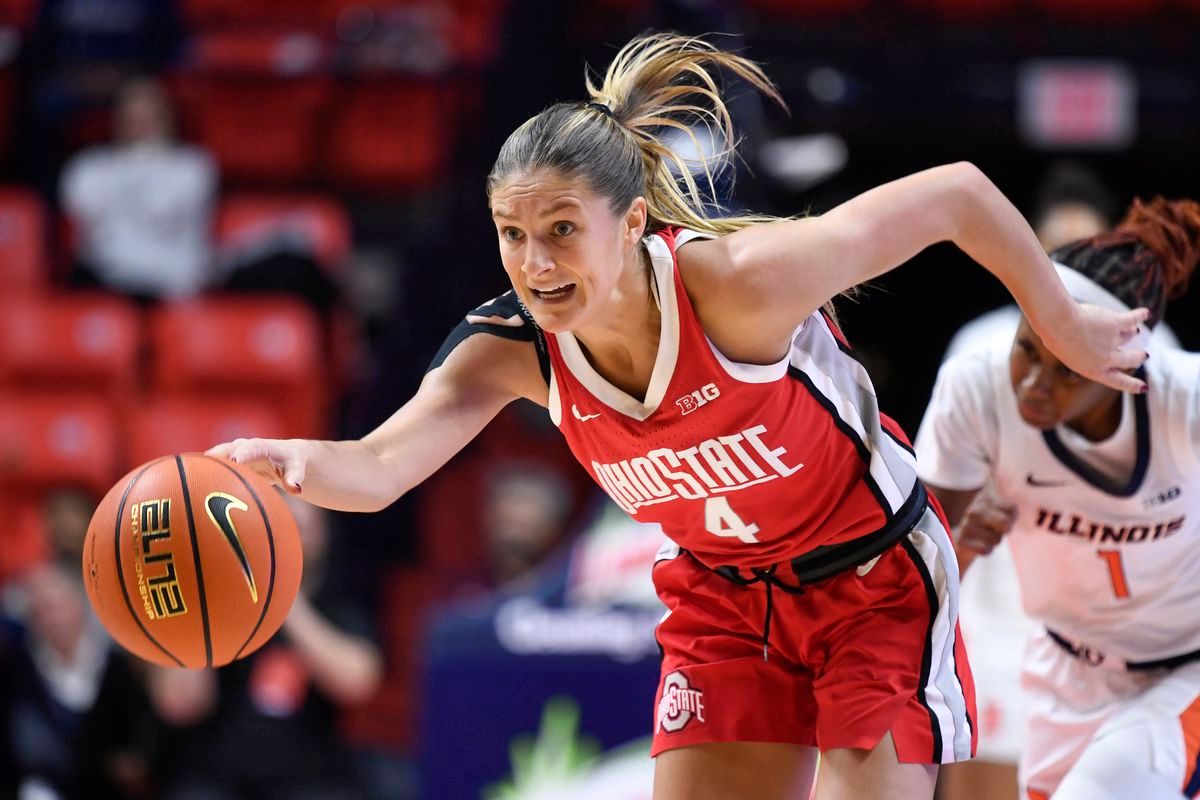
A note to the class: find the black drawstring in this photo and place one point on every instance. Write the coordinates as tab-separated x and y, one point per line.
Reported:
767	576
764	575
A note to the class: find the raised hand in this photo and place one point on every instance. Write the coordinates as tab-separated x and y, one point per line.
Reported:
987	520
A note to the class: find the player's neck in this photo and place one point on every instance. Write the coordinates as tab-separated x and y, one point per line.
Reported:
1101	421
623	345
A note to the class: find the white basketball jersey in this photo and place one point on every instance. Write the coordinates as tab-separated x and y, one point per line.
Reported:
1113	565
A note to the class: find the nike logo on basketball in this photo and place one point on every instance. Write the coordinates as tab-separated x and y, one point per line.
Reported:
1032	481
218	506
582	417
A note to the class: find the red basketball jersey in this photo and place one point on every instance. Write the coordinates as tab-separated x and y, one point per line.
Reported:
741	464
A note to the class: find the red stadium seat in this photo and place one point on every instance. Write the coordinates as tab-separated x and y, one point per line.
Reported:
318	224
48	440
22	539
8	93
1102	10
73	342
180	425
251	13
389	134
965	10
18	13
260	347
23	258
269	52
262	128
478	27
808	9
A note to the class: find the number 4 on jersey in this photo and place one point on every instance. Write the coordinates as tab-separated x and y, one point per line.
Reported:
720	520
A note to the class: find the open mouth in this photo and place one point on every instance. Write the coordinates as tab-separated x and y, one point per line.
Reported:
555	293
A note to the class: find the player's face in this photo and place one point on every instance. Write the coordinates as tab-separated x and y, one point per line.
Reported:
1048	392
563	248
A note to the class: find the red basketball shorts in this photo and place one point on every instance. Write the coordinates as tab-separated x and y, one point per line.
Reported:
870	650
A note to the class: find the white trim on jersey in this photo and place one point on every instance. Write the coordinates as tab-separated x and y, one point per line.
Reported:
754	373
554	402
685	235
856	369
848	412
663	263
669	550
843	386
943	691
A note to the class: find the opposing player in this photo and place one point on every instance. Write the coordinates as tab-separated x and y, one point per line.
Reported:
692	370
1095	491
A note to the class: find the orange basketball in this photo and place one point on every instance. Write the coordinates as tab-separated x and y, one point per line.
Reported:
192	561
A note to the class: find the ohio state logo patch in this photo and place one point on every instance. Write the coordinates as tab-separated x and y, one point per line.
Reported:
680	703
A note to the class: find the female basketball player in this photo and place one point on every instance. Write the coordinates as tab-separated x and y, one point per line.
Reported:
689	364
1095	490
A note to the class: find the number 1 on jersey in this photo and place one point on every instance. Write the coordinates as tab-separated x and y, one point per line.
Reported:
1116	572
720	520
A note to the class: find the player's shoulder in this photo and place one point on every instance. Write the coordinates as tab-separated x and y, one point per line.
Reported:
504	318
505	311
699	258
1174	374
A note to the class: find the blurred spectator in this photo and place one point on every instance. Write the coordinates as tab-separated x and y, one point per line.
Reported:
80	51
66	513
141	206
1072	204
266	725
525	509
73	714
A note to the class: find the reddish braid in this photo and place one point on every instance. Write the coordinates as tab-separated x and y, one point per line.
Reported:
1147	259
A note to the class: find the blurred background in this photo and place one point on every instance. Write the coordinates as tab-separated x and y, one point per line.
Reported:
224	218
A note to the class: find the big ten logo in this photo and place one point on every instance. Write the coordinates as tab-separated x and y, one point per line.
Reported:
154	563
705	394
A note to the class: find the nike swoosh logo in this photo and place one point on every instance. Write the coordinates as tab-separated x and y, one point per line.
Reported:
582	417
218	505
1032	481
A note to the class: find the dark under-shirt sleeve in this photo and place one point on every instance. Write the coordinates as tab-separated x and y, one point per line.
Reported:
504	316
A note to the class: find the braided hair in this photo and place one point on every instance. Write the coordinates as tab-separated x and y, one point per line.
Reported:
1147	259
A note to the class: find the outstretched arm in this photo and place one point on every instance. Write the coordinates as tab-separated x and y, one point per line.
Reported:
769	278
456	400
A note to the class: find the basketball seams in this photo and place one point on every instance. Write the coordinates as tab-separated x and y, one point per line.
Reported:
228	621
121	572
270	549
187	505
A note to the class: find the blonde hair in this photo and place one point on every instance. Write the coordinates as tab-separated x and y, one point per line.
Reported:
615	143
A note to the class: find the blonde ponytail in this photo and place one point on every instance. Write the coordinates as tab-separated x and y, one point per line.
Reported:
615	143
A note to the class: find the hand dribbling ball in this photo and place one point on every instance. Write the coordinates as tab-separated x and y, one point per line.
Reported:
192	561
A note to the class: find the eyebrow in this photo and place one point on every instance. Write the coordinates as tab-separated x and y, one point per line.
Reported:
559	206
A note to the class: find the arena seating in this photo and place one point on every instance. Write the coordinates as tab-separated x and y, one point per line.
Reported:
389	134
22	241
57	439
319	224
260	347
181	425
70	342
